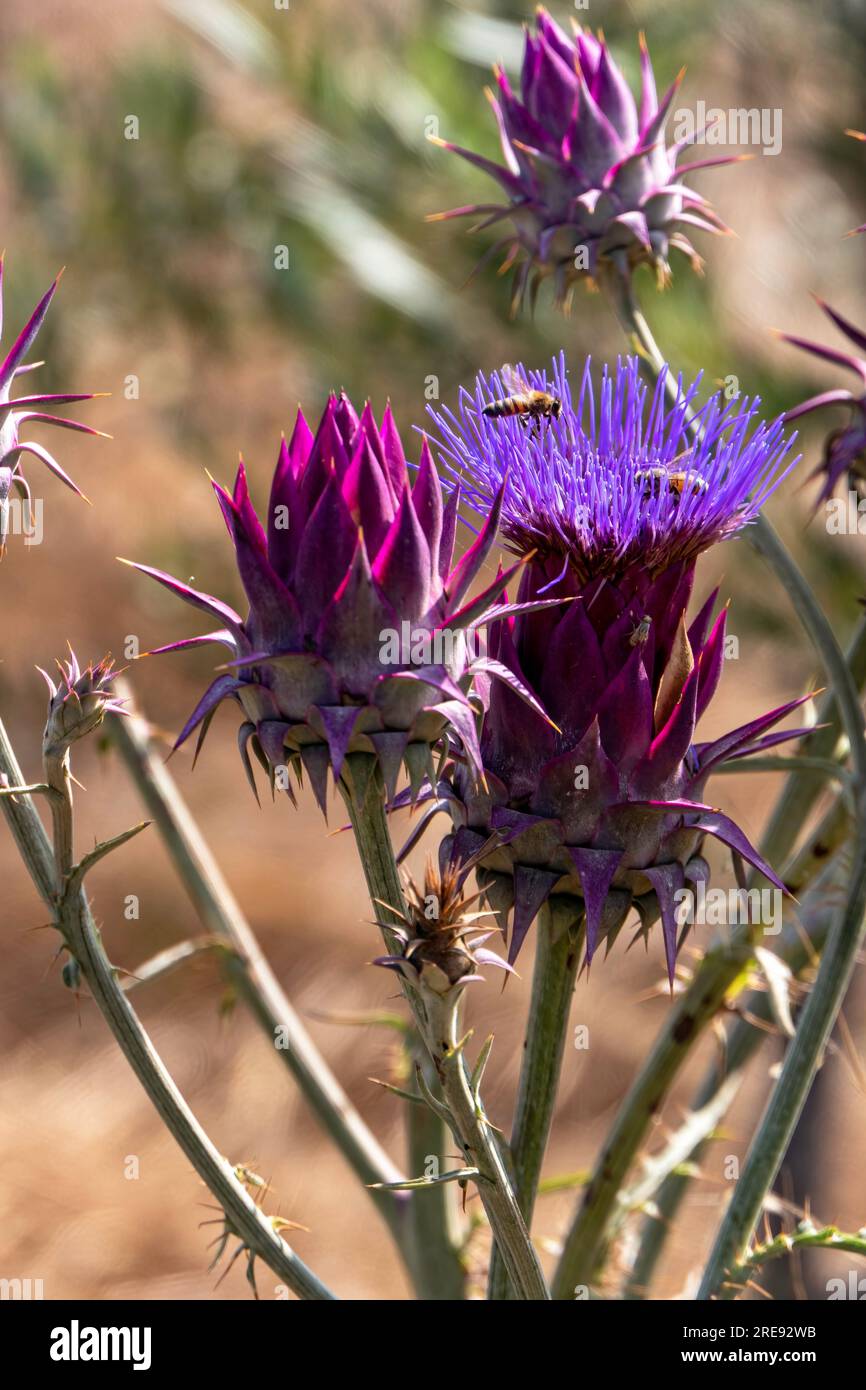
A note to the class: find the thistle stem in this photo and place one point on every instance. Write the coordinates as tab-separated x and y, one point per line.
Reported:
722	973
72	916
248	970
557	954
828	993
441	1273
436	1020
57	777
798	952
789	1094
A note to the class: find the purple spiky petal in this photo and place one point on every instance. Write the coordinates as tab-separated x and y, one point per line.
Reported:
15	412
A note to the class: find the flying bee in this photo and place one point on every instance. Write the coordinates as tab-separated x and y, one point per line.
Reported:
679	481
639	635
528	404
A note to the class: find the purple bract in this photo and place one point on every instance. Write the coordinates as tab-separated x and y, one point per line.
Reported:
845	450
28	409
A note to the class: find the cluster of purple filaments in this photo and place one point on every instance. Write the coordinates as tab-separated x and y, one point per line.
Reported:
578	484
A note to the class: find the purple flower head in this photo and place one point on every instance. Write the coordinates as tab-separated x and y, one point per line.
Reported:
606	803
16	411
355	637
845	449
78	702
591	486
586	170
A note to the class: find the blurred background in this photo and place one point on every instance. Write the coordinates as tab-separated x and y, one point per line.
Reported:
303	128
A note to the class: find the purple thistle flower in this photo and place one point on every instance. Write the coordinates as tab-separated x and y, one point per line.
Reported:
78	702
845	449
27	409
583	486
607	804
586	165
355	640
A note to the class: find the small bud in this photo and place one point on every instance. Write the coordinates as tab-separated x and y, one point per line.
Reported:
78	704
443	949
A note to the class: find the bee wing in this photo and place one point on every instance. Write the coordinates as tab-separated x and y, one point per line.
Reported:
676	465
514	382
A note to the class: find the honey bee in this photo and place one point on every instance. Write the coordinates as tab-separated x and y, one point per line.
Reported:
678	481
528	404
639	635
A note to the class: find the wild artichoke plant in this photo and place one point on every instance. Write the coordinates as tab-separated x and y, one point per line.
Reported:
20	410
355	636
616	505
845	449
588	175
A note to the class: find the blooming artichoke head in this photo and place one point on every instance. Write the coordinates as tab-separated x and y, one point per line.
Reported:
353	640
588	177
607	802
16	411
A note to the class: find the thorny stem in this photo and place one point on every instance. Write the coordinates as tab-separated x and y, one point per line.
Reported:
721	975
827	996
57	777
789	1094
73	919
806	1237
248	969
436	1020
557	955
798	951
435	1224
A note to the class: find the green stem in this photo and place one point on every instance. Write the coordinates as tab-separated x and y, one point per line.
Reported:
722	973
557	955
436	1022
441	1272
71	913
789	1094
807	1237
249	972
798	950
831	833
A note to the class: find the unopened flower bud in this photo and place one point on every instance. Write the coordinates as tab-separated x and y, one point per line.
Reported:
442	940
78	703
